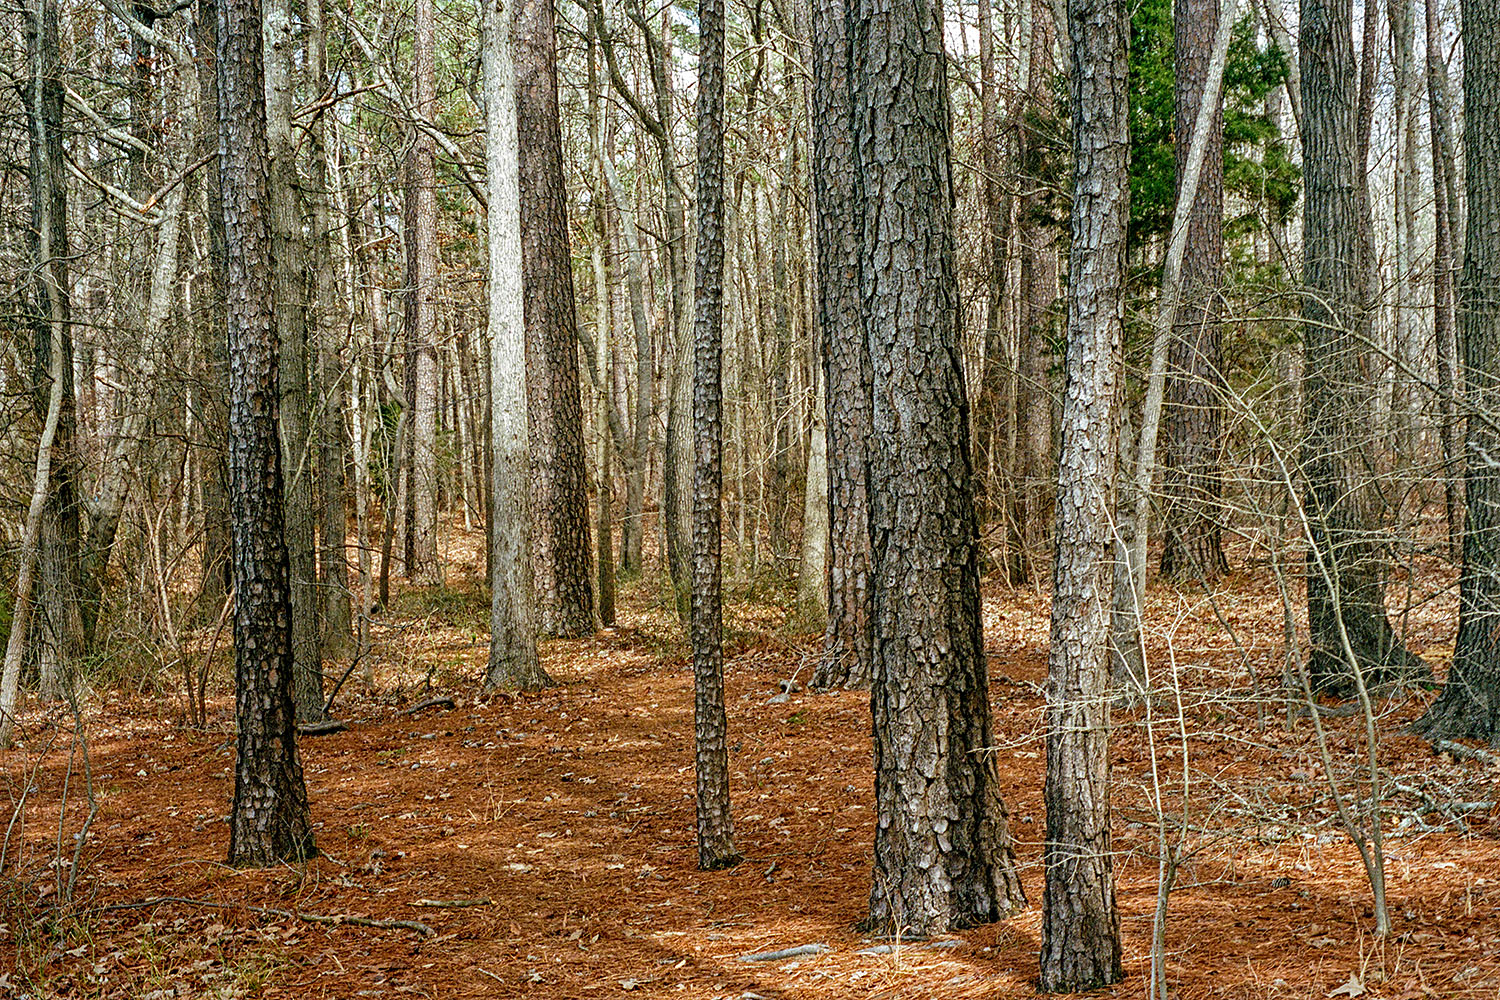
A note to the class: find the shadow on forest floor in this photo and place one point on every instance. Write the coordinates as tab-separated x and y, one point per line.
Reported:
547	839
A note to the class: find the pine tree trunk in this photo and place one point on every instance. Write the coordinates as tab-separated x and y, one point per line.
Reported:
846	362
269	821
562	561
1080	925
1469	707
710	726
943	856
993	405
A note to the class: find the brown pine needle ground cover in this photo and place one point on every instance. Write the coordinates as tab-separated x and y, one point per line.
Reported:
546	839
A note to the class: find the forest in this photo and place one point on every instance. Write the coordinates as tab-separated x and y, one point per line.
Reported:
750	500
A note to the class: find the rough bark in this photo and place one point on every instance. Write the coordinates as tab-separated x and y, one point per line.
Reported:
513	656
269	821
1080	924
1192	479
710	725
943	856
1469	707
846	362
562	562
1347	623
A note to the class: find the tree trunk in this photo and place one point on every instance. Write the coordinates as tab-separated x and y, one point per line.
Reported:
562	562
289	264
710	726
1036	488
1469	707
49	252
58	641
992	408
812	572
943	856
1407	348
513	656
1195	383
1347	623
1444	324
423	568
215	561
1080	925
845	661
329	305
269	821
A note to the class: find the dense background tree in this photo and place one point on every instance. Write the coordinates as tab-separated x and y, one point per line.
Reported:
1347	623
1195	375
1469	707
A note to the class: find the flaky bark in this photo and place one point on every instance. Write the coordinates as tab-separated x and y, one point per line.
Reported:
846	362
943	856
1080	925
269	822
710	726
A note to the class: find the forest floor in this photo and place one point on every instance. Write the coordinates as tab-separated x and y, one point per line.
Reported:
563	821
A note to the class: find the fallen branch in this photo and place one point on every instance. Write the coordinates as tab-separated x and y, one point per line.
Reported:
321	728
266	911
455	904
776	956
1461	752
442	700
